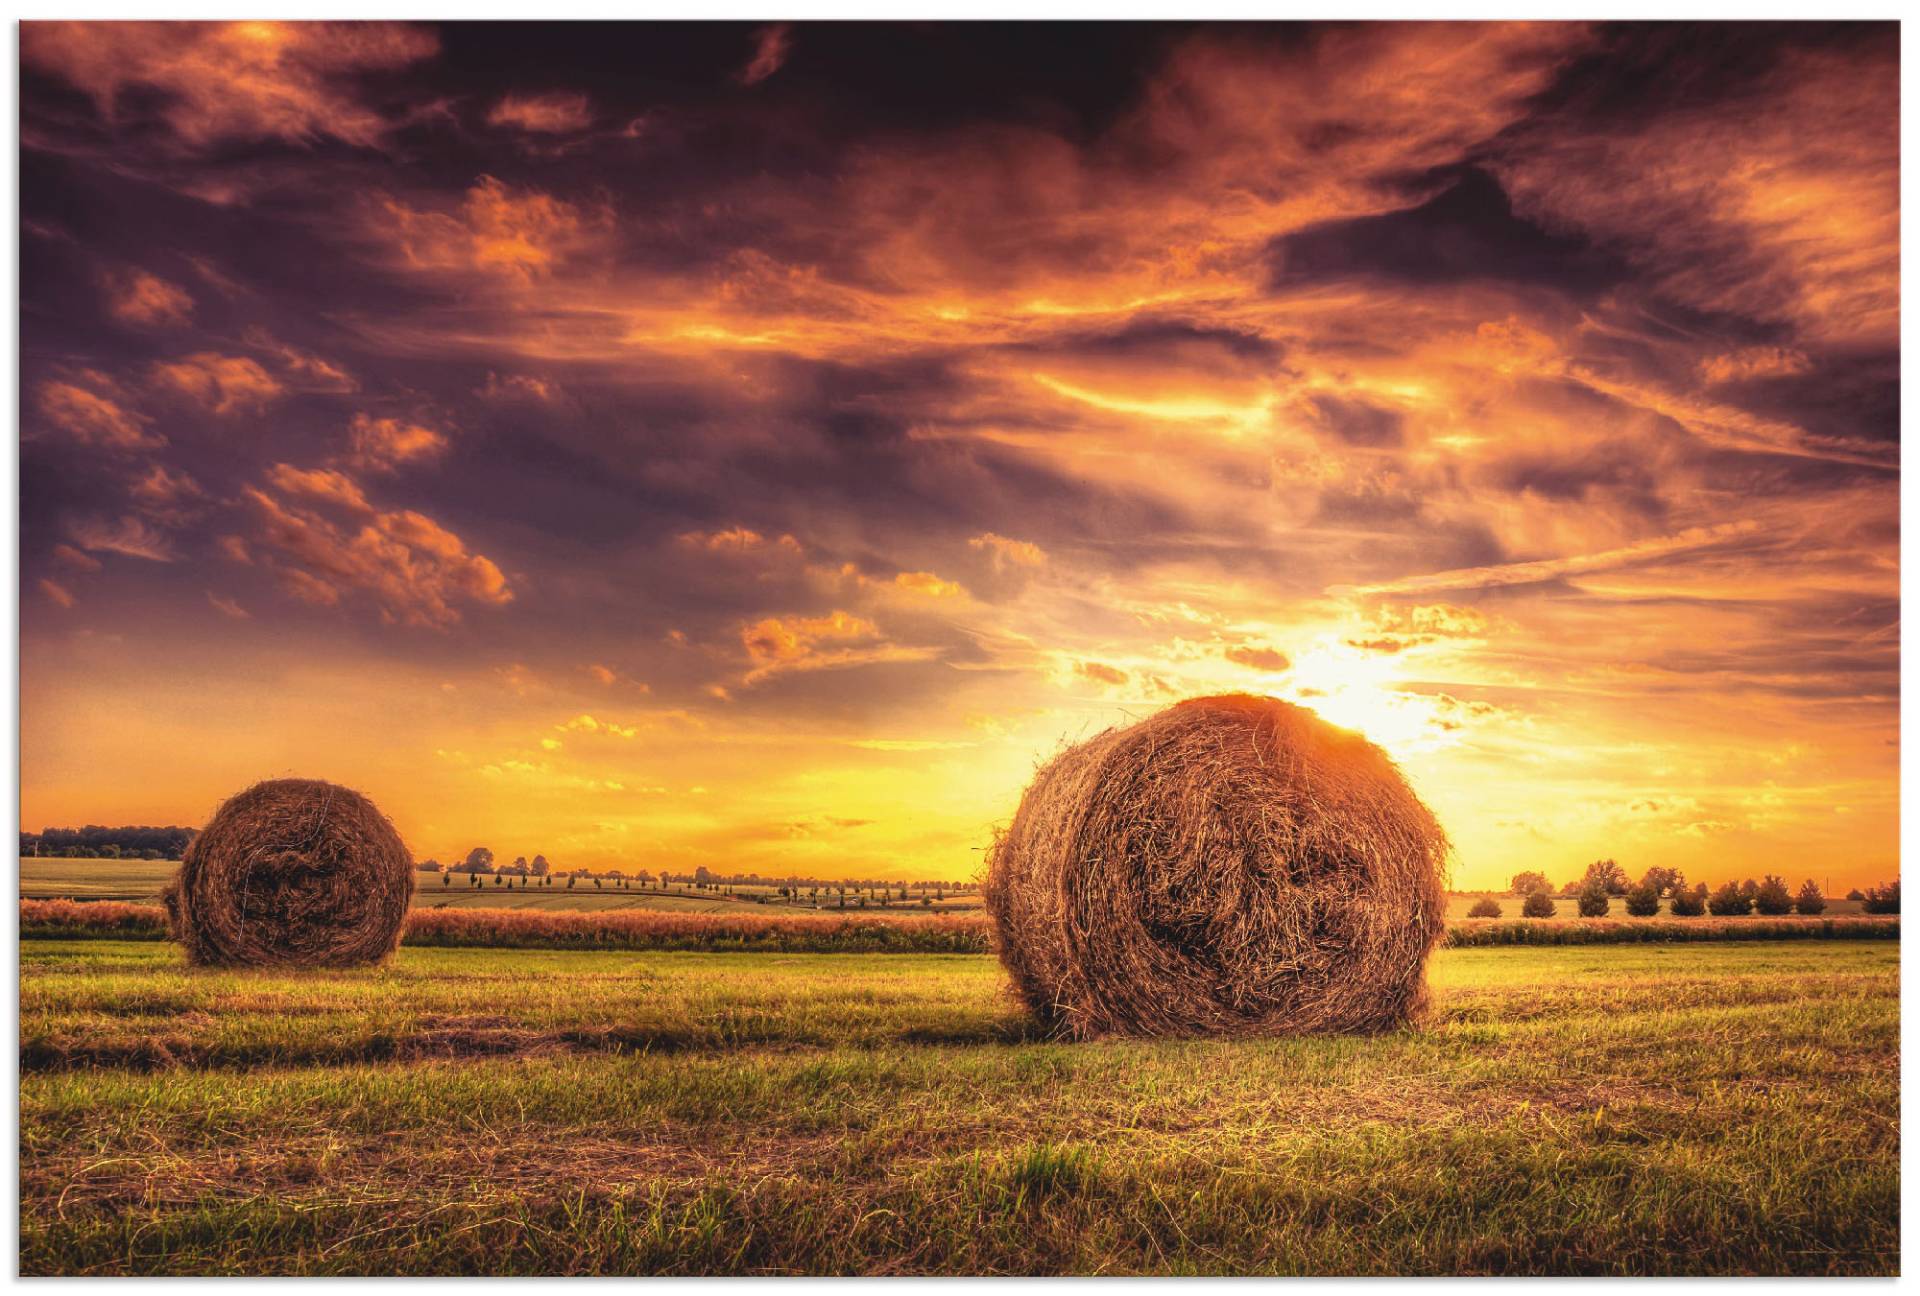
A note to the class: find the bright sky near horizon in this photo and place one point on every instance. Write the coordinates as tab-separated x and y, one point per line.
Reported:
760	446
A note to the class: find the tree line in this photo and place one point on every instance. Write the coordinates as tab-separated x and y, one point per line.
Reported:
97	842
1594	891
481	862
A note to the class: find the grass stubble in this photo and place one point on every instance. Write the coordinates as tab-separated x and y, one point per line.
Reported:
1695	1108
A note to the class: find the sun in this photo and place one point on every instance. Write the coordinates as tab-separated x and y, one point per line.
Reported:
1366	692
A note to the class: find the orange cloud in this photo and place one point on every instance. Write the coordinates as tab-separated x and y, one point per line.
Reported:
132	536
521	233
137	297
415	570
56	593
1008	553
550	114
231	81
1100	672
736	540
1257	657
927	583
320	484
93	419
167	496
221	383
386	444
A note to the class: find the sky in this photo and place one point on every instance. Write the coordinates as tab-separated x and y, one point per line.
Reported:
760	446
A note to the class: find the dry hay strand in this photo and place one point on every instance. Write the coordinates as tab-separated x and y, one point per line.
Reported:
1230	866
292	873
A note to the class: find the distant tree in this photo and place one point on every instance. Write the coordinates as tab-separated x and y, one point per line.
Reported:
596	885
150	853
1884	899
1529	882
499	878
1773	897
1690	902
1537	905
1593	901
1810	901
1609	875
446	879
1663	880
1484	907
1644	900
427	866
479	860
540	866
1730	901
1750	889
571	879
1855	894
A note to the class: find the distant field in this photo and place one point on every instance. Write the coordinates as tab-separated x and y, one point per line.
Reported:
1569	1110
141	880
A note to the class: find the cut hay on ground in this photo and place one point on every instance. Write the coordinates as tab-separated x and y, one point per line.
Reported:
1233	866
292	873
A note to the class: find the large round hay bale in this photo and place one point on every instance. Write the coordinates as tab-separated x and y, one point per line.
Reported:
1233	866
292	873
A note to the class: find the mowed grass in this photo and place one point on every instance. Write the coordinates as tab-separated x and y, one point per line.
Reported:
1580	1109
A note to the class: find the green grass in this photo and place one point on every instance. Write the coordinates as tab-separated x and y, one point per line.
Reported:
1579	1109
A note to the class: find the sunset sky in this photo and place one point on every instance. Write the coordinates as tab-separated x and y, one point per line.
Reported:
758	447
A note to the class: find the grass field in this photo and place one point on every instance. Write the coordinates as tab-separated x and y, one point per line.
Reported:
1601	1109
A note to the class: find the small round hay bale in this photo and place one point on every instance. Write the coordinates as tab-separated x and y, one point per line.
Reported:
292	873
1230	866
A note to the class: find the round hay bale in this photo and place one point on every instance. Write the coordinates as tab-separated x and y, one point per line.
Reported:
1230	866
292	873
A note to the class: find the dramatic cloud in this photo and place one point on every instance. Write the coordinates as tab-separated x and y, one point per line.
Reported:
138	298
217	82
385	444
416	571
222	384
558	113
93	419
1524	396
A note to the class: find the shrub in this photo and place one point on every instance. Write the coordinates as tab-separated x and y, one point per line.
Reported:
1884	899
1690	903
1593	902
1855	894
1773	898
1644	900
1537	905
1810	901
1730	901
1484	907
